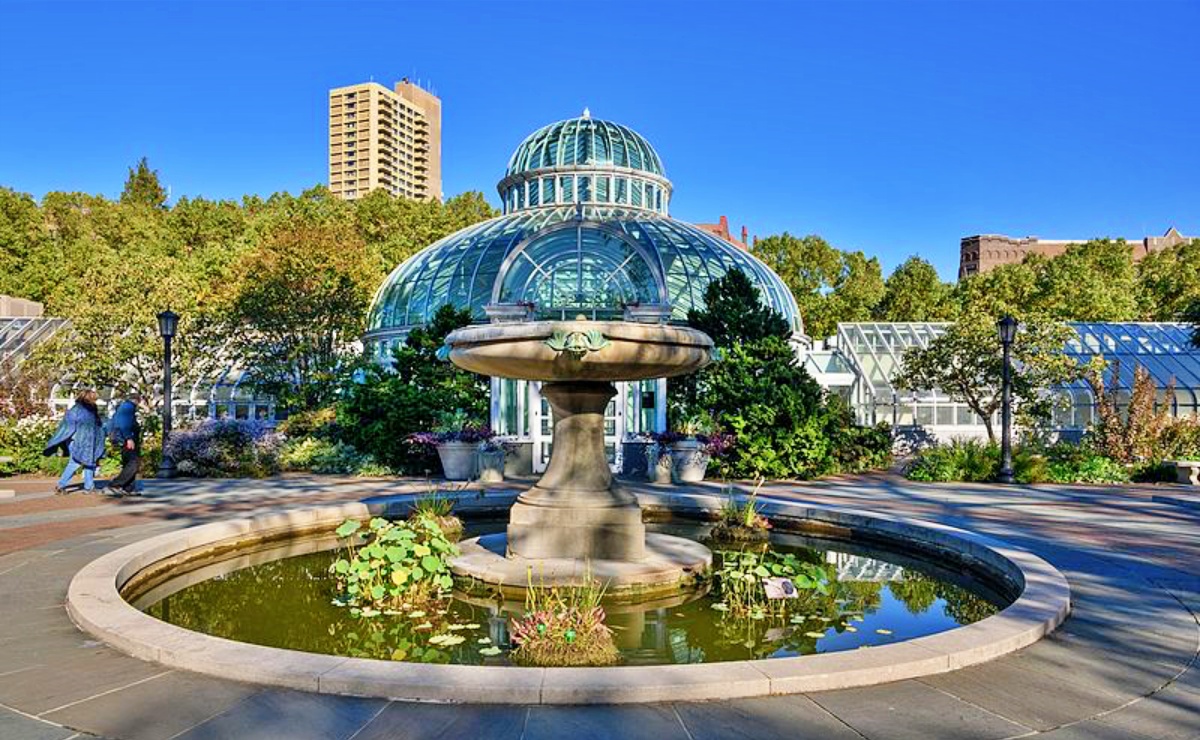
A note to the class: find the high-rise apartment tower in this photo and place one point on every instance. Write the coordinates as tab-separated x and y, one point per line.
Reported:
389	139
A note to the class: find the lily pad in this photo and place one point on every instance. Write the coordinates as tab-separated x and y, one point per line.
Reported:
490	651
416	615
816	635
883	632
484	640
851	628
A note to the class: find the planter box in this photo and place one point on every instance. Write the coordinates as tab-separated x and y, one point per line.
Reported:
458	460
1187	472
689	460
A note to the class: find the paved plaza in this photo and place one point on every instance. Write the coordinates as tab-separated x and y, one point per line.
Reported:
1123	665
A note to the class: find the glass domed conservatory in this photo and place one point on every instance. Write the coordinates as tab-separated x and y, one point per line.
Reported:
585	230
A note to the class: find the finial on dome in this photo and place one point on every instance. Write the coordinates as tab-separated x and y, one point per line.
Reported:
586	113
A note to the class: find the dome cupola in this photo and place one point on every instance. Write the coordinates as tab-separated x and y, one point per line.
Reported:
585	161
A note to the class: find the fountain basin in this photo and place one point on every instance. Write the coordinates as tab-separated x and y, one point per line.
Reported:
595	350
1042	601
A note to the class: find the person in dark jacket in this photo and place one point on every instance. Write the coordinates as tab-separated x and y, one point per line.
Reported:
80	435
125	433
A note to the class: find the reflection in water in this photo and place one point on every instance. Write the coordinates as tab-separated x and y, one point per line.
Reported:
286	602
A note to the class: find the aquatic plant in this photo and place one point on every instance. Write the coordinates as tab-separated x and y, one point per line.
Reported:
563	626
392	563
438	507
741	522
738	580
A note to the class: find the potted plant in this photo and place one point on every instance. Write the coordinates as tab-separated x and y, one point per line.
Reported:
695	443
456	440
492	454
658	457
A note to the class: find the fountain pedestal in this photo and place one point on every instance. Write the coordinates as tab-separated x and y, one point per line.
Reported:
575	511
575	524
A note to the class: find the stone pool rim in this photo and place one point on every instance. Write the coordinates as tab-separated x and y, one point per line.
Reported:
95	605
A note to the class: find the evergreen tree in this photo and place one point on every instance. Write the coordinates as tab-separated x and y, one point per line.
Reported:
143	188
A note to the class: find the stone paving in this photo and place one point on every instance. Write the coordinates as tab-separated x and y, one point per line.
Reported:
1123	666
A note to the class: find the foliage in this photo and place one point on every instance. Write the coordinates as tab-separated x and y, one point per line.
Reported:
741	520
738	580
433	505
219	448
320	423
323	456
295	312
23	440
829	285
966	363
734	312
1168	282
109	266
784	425
1093	281
1131	436
971	461
393	402
915	292
143	188
563	626
390	564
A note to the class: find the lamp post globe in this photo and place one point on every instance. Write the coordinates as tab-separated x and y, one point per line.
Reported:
1007	328
168	324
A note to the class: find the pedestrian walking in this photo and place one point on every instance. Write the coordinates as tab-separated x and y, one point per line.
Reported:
80	436
125	434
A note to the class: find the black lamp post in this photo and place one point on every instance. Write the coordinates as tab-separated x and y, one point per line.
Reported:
1008	334
168	322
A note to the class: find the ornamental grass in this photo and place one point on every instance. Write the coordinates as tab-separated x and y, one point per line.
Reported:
563	626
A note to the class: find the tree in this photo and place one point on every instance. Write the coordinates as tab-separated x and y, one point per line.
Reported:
143	188
407	396
829	285
785	425
856	291
734	312
1169	282
1192	316
1093	281
294	314
966	363
1005	290
915	292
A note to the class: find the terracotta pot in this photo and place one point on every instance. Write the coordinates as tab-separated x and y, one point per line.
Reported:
689	460
458	460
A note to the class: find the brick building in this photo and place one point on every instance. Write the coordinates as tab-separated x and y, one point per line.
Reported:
982	252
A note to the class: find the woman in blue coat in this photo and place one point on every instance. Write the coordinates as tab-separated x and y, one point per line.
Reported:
81	436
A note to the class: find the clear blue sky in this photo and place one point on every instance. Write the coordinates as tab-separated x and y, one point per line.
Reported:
894	128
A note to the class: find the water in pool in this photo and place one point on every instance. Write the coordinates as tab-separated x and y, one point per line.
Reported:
875	598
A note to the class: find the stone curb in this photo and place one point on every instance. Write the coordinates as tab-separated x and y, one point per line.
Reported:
96	606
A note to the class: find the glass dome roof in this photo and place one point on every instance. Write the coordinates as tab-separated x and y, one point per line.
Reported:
565	261
582	142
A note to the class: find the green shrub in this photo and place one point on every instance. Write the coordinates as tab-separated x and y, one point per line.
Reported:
322	456
320	423
23	440
967	461
1067	463
408	396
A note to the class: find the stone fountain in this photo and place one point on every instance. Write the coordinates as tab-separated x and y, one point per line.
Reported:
576	519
